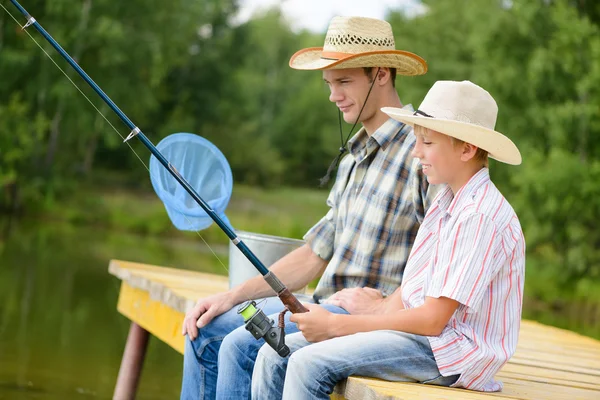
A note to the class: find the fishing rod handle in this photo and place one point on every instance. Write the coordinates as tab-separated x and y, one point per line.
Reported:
291	302
287	298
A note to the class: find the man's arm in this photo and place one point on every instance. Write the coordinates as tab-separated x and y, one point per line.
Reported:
295	270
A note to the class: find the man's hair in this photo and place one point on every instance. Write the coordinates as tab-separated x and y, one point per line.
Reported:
368	71
481	155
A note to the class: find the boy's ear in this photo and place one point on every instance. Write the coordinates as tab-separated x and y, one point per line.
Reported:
468	152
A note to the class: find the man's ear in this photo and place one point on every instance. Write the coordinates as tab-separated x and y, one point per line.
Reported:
468	152
383	76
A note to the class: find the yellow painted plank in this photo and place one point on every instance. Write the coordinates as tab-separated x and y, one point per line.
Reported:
158	319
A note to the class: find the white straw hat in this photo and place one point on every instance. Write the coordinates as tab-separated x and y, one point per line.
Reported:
354	42
465	111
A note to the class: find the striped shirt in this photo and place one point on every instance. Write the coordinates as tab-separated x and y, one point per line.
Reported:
376	206
471	248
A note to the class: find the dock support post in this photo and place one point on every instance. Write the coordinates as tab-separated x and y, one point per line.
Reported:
132	362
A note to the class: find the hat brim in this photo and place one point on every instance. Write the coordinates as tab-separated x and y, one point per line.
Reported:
406	63
496	144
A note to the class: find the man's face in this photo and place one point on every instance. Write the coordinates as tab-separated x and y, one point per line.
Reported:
438	156
348	90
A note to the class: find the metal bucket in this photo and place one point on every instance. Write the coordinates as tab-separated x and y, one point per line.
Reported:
267	248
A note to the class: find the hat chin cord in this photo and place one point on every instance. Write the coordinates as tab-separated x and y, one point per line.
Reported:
324	180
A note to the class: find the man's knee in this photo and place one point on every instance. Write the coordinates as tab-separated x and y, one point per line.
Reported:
210	337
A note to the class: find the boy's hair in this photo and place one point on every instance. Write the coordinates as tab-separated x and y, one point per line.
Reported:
393	71
481	155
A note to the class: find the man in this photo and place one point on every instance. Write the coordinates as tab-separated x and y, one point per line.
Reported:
455	319
361	246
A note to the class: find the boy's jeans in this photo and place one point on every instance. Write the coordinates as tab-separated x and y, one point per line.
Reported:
226	347
313	369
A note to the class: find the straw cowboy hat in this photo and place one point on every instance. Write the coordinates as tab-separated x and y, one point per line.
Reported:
354	42
465	111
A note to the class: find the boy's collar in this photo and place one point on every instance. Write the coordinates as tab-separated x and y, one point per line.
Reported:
449	203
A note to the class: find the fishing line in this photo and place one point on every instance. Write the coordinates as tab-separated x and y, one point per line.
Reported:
113	127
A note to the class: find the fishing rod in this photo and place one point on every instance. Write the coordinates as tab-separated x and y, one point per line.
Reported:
259	325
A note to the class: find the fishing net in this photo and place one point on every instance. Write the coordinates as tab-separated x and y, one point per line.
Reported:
204	167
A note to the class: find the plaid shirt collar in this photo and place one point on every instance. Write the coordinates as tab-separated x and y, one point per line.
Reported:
361	145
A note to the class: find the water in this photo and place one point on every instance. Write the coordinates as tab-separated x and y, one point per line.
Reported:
60	334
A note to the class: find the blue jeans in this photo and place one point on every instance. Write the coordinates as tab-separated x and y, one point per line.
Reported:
313	369
219	363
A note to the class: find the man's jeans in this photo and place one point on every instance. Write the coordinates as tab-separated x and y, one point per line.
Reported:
313	369
219	363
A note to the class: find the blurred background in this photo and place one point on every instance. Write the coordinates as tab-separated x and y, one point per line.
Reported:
72	196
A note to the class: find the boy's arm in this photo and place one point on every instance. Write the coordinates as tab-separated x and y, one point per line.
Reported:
427	320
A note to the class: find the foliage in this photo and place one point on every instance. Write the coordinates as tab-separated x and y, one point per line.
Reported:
182	66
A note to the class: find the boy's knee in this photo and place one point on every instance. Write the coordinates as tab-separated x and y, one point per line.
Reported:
239	341
267	355
305	363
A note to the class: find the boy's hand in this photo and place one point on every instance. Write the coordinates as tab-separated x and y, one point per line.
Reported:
316	325
358	300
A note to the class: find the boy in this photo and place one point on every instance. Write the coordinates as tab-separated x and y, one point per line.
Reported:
455	319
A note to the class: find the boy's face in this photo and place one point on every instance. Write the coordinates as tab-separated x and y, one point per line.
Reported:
439	157
348	90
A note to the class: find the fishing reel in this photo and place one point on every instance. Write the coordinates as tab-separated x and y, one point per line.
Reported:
260	326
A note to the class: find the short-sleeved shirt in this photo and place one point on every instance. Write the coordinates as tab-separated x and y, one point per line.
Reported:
471	248
376	206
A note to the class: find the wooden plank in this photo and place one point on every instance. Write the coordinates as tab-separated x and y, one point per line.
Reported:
161	283
520	389
565	378
550	363
375	389
356	388
555	366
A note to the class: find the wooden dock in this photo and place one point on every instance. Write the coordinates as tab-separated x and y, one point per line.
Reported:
549	363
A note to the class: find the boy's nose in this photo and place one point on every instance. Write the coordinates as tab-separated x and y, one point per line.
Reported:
416	152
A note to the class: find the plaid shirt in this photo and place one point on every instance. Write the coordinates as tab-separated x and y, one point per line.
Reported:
377	204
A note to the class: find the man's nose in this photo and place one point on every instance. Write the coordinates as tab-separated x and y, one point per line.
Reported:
335	95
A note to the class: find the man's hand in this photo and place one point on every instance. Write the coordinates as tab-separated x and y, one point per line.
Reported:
316	325
204	311
358	300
